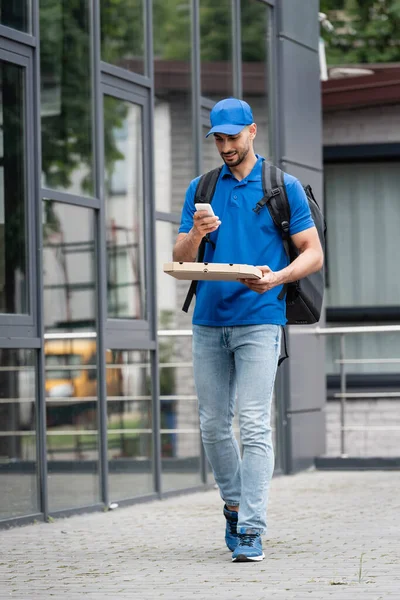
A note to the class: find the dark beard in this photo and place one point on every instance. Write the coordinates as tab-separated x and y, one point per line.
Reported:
239	159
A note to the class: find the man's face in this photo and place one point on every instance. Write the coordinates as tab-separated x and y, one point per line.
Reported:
234	148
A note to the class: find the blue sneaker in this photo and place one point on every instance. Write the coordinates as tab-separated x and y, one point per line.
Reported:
249	548
231	536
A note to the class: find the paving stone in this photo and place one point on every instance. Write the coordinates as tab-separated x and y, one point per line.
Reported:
331	535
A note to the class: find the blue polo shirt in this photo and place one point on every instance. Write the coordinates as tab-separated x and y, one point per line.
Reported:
244	237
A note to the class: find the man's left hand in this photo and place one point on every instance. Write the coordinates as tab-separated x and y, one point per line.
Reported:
268	281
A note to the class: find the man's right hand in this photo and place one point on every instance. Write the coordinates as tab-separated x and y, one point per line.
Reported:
203	223
187	244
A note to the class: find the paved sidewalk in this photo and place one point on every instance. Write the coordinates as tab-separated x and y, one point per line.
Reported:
332	535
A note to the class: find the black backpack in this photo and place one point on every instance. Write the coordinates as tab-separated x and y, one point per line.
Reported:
303	297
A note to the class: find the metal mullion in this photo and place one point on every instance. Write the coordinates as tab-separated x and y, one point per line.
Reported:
116	341
150	241
67	198
16	320
123	75
237	49
100	254
273	90
20	521
139	325
197	104
283	423
130	93
147	25
12	341
20	37
169	217
9	53
35	8
41	441
196	87
29	134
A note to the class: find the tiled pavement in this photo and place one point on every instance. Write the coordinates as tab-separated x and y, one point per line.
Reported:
331	535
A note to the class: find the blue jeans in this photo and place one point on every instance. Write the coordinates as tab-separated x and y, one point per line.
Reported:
238	363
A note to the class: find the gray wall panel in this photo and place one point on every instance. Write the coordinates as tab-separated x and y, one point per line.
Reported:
307	438
307	351
300	105
300	153
298	22
307	370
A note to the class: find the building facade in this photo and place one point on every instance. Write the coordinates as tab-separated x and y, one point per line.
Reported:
104	108
361	135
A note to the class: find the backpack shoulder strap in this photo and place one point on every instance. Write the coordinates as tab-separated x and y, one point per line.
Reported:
278	203
206	186
278	206
204	193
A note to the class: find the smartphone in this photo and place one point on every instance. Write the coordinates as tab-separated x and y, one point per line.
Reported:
205	206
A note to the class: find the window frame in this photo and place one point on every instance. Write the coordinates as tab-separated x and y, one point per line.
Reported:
123	333
25	324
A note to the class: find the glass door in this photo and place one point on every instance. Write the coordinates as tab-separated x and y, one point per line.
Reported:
18	362
129	341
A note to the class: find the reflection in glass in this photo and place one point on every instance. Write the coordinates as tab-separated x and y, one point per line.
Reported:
13	267
16	15
122	34
180	432
180	435
173	130
124	209
255	68
216	48
130	434
18	482
170	291
66	96
71	355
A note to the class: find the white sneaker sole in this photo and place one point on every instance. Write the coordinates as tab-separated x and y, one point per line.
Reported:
244	558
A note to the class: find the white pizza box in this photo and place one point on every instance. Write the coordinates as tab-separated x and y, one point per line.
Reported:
211	271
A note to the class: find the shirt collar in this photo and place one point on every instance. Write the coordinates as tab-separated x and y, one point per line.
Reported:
254	175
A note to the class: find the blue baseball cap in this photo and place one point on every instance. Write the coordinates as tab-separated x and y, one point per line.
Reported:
230	116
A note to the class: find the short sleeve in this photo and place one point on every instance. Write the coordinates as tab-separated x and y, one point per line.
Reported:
300	214
188	209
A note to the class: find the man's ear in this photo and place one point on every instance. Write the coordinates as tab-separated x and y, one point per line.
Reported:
253	131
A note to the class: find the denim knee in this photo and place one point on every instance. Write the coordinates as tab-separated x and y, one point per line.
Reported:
254	434
212	432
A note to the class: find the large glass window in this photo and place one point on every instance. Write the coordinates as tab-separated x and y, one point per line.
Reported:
71	355
16	14
173	119
180	429
216	48
180	434
363	221
363	216
13	255
130	434
66	96
124	209
18	479
254	24
123	34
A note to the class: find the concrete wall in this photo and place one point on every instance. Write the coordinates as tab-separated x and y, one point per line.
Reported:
372	125
377	416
